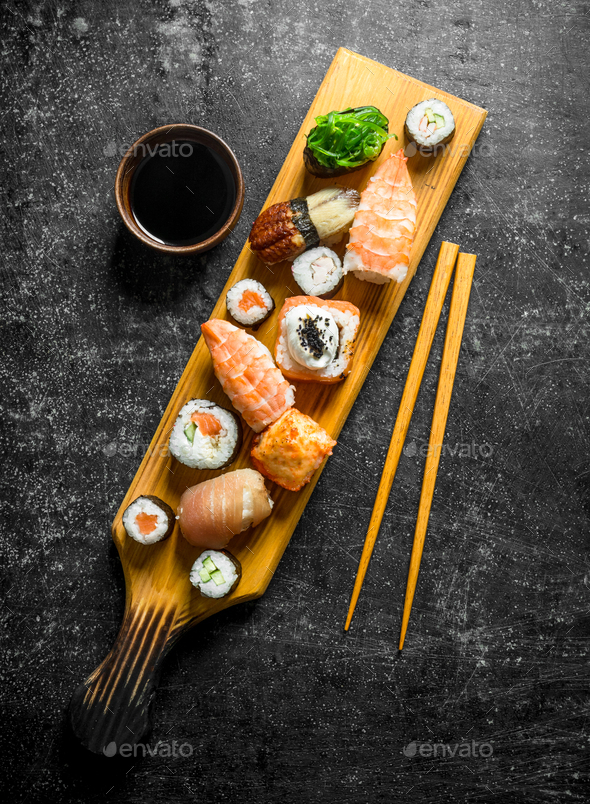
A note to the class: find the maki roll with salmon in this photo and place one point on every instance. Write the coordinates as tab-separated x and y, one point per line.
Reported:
205	435
318	272
316	339
430	124
148	520
216	573
285	230
214	511
249	303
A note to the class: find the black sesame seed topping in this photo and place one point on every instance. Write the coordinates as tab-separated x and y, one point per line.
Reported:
310	336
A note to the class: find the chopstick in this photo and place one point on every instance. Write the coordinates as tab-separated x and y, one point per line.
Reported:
448	368
434	303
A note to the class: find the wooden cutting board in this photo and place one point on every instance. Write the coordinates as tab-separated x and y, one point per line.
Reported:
112	705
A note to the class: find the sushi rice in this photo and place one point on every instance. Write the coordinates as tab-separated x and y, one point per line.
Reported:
242	302
205	451
225	563
318	272
427	138
148	521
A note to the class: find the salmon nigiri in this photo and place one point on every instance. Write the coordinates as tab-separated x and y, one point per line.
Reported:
214	511
383	228
247	374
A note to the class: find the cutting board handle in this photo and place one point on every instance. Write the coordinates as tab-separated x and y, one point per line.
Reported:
111	708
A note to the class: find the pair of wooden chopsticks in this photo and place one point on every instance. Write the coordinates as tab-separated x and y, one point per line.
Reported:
458	310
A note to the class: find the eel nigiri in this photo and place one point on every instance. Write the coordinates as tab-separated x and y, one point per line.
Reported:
383	229
247	374
212	512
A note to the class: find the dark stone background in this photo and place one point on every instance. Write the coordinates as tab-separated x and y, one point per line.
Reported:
96	332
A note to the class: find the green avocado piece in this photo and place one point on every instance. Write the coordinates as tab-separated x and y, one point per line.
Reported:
430	115
190	430
204	575
217	577
209	565
439	120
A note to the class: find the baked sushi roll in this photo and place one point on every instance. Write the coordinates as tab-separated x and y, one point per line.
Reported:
289	451
249	303
148	519
430	124
205	435
285	230
316	339
215	573
318	272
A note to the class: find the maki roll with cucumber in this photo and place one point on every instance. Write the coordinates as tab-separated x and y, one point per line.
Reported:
148	520
216	573
343	142
249	303
287	229
430	123
205	435
318	272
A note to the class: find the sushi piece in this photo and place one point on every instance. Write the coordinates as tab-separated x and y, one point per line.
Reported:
249	303
342	142
316	339
247	374
428	124
212	512
285	230
290	450
148	520
318	272
216	573
205	435
383	229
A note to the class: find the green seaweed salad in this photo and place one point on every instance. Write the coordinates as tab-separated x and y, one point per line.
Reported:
345	141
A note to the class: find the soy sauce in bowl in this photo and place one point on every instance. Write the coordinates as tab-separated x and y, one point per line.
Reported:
181	193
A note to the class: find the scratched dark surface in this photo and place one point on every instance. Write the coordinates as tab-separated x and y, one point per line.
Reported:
96	332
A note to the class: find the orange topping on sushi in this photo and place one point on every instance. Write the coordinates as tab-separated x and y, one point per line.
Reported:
146	522
207	423
249	300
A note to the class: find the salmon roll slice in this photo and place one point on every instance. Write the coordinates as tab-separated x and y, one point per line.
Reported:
214	511
148	520
290	450
247	374
249	303
383	229
205	435
216	573
316	339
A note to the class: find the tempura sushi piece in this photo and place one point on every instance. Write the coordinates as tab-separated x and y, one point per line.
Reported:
383	230
290	450
285	230
247	374
430	123
205	435
249	303
216	573
148	519
316	339
318	272
214	511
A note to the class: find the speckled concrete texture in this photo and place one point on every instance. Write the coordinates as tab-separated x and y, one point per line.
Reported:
96	332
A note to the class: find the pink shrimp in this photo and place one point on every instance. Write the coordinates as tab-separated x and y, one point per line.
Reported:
383	229
247	374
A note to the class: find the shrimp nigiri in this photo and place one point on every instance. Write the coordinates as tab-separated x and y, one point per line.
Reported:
247	374
383	228
214	511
